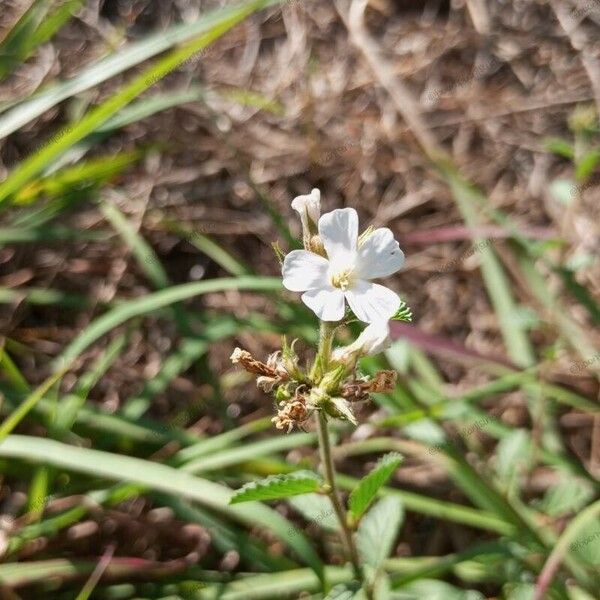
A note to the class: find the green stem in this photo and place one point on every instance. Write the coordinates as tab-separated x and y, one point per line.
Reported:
326	459
323	357
321	367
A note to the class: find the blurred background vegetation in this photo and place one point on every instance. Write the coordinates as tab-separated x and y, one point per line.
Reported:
149	152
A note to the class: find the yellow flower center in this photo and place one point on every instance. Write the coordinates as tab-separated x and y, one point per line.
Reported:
342	280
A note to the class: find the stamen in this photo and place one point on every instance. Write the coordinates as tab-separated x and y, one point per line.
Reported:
342	280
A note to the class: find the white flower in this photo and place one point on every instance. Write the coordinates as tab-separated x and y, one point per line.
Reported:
309	209
374	339
347	270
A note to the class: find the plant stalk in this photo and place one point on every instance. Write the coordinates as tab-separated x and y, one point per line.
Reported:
323	357
326	459
321	365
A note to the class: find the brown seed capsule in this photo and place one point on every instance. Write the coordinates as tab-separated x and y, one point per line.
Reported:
355	391
251	365
384	381
292	412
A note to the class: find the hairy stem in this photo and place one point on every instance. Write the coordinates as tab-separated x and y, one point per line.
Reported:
323	357
326	459
320	367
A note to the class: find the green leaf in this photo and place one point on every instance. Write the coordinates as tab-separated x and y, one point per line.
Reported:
468	198
32	399
278	486
17	45
572	541
586	546
316	508
249	451
378	530
361	498
520	591
80	176
569	495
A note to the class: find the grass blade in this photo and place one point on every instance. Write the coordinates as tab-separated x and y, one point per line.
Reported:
160	477
66	138
497	284
125	58
32	399
157	300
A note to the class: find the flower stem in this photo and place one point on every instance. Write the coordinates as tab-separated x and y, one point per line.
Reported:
323	357
326	458
321	366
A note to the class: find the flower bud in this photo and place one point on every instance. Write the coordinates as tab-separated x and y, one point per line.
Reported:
289	359
332	380
316	245
374	339
309	209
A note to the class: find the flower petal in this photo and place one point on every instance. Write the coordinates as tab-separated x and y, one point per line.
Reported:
303	270
326	303
339	232
372	302
379	255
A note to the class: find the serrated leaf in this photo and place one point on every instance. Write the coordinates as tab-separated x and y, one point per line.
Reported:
378	530
278	486
362	496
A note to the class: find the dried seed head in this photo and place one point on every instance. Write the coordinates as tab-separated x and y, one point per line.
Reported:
276	363
359	389
355	392
293	412
384	381
252	365
238	355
